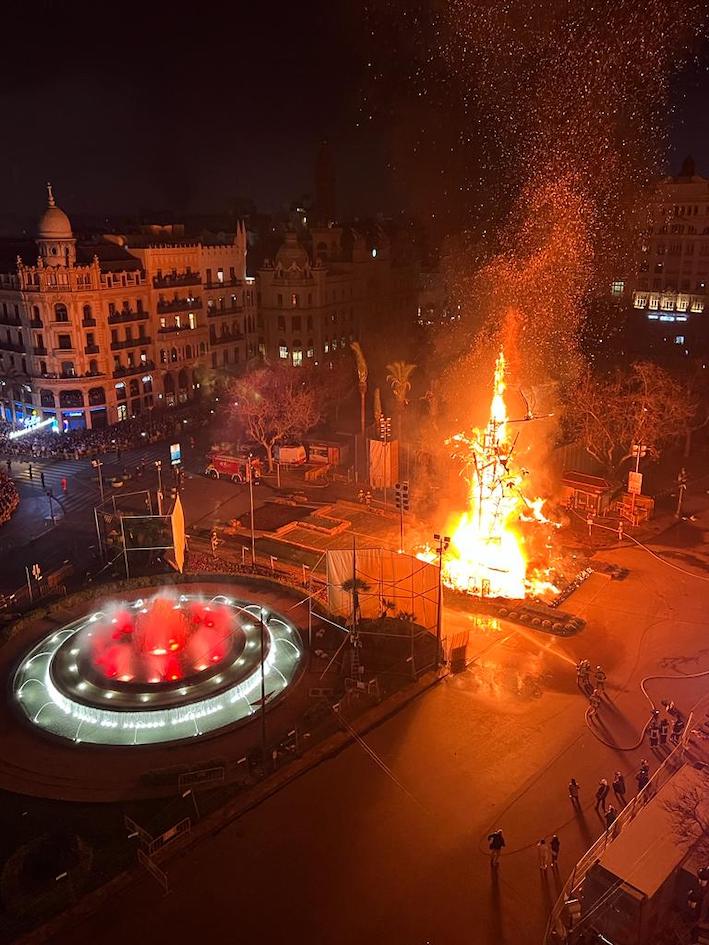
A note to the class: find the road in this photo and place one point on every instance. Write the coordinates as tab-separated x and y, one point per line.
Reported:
394	850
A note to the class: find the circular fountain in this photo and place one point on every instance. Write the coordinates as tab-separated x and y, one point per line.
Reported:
170	667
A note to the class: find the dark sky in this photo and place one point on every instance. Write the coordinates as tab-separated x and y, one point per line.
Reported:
128	106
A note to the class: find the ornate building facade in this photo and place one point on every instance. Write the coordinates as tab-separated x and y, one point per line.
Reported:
95	332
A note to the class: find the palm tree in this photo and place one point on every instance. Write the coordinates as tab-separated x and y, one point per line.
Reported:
362	376
398	377
378	412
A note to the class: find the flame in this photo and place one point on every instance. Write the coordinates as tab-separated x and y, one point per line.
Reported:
487	555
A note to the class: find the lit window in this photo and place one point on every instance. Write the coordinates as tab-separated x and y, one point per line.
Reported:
697	306
617	288
679	339
178	321
654	302
682	304
220	275
326	346
297	357
294	299
283	351
668	304
640	301
191	319
163	321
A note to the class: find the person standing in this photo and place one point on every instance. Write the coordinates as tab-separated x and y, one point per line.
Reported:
8	463
654	734
611	815
29	470
41	478
574	792
600	680
619	787
664	730
497	842
543	854
594	702
602	794
642	777
555	846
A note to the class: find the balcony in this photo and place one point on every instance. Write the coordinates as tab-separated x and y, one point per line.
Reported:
179	305
231	310
222	285
172	329
131	343
88	322
10	320
127	370
12	346
39	351
36	323
118	318
226	339
91	349
185	278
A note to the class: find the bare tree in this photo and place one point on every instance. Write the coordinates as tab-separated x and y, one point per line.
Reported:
644	405
690	819
275	404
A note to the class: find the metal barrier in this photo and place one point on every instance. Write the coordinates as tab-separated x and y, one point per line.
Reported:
169	836
154	870
556	930
199	777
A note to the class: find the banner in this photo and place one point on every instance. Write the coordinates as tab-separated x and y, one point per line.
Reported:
178	533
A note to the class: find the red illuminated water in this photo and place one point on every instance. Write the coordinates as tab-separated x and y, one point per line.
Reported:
165	641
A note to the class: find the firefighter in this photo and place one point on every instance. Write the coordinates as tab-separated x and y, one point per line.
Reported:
600	680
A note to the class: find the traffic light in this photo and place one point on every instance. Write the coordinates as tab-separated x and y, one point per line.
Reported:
402	496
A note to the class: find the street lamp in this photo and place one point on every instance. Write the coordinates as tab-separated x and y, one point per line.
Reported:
250	470
443	543
158	466
97	464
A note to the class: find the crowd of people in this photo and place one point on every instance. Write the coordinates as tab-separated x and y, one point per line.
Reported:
9	498
75	444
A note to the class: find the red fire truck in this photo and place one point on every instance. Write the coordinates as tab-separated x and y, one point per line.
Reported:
228	466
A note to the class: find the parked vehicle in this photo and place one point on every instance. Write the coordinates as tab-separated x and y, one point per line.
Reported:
228	466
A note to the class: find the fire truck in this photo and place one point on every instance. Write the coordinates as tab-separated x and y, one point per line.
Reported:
229	466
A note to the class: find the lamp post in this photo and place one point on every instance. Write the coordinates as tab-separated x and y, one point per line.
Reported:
443	542
251	503
97	464
158	466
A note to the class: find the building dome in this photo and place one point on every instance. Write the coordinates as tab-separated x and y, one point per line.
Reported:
54	223
292	252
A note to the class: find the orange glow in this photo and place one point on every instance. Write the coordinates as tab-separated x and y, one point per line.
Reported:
487	554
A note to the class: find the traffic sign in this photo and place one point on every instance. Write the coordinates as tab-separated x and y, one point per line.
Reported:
175	454
635	483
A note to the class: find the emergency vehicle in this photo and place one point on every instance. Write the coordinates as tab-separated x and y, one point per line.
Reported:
228	466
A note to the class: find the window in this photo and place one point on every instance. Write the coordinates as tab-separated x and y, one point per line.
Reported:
667	304
294	299
65	342
60	312
682	304
297	357
178	321
280	300
679	339
616	288
42	367
295	323
310	322
122	411
139	305
281	323
93	366
68	369
111	308
163	321
220	275
282	349
192	320
310	352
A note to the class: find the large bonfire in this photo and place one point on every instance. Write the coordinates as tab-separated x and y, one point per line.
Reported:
488	553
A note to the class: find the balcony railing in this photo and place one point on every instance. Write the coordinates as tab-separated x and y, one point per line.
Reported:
117	318
131	342
91	349
185	278
179	305
231	310
36	323
88	322
10	321
171	329
220	285
12	346
39	351
226	339
127	370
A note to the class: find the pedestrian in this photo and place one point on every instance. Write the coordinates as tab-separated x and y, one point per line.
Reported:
581	677
574	792
600	678
677	730
8	463
619	787
664	730
65	486
41	477
642	777
694	902
543	854
602	794
29	470
703	877
360	496
654	733
594	702
497	842
555	846
611	815
368	499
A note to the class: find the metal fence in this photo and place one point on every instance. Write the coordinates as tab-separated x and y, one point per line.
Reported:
556	930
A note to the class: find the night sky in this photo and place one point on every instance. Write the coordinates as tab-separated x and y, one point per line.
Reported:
137	107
